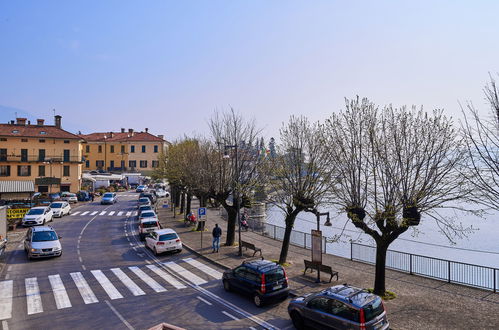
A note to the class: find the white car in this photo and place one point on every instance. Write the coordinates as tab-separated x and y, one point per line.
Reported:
148	225
38	216
69	197
162	193
162	240
60	209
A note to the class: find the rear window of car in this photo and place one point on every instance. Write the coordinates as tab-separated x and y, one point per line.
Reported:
56	205
149	224
147	214
167	237
274	275
143	199
373	310
35	212
145	208
44	236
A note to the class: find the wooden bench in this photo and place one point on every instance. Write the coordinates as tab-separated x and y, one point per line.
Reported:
322	268
251	246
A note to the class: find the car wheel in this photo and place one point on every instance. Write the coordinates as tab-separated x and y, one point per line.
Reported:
297	320
52	219
257	300
227	286
69	212
179	250
43	223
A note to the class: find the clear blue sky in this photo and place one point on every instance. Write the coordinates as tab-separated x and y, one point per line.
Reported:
167	65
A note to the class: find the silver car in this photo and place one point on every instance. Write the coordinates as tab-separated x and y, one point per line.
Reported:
42	242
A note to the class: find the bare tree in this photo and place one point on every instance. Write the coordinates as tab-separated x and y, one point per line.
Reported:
482	142
300	173
395	165
237	138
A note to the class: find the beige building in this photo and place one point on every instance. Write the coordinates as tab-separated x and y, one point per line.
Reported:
45	154
124	151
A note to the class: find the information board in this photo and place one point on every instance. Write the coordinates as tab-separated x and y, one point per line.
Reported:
317	246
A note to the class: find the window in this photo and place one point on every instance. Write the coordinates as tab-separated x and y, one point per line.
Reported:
132	163
251	275
15	131
66	155
3	155
65	171
111	164
43	132
132	148
240	272
143	163
122	164
24	140
87	163
340	309
41	155
3	139
99	163
156	149
23	170
155	163
41	140
143	148
320	304
4	170
122	149
87	148
112	149
99	148
41	170
24	155
66	141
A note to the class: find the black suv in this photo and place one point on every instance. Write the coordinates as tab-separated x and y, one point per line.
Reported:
339	307
263	280
151	196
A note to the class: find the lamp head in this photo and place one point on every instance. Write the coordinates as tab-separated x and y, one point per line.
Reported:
328	222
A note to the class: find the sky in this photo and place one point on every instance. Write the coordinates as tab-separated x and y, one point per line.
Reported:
168	65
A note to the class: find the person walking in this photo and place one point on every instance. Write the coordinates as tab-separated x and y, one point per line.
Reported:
216	233
92	196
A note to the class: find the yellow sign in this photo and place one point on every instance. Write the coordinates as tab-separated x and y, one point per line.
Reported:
16	213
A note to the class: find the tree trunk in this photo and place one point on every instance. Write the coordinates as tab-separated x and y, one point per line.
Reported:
379	280
231	225
290	221
188	204
182	202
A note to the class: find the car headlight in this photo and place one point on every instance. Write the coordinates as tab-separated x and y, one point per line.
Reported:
56	249
35	250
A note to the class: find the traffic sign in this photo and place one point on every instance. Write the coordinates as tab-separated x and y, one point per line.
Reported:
202	212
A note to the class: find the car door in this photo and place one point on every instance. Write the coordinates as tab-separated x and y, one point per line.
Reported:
151	240
317	313
238	278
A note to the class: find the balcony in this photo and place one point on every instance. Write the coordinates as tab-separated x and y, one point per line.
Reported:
38	159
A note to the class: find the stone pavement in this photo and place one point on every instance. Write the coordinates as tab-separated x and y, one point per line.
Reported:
421	303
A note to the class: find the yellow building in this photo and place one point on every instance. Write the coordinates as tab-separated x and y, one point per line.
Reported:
45	154
125	151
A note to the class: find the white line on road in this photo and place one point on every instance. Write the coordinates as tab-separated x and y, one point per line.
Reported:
147	261
111	212
60	294
134	213
230	315
75	213
119	316
83	266
167	277
131	244
9	268
129	213
102	213
134	288
204	300
7	276
94	212
6	292
204	268
85	213
120	213
110	289
33	299
81	260
86	293
185	273
147	279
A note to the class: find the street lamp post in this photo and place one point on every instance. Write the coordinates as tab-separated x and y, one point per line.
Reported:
328	224
235	195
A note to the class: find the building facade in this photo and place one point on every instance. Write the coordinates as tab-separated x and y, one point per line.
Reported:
45	154
125	151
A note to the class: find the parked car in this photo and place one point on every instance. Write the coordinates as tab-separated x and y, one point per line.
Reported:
141	189
162	193
148	215
163	240
339	307
109	198
83	196
144	201
42	242
147	225
69	197
54	197
60	209
143	208
265	281
38	216
152	197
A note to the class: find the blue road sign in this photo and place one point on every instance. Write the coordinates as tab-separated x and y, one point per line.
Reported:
202	211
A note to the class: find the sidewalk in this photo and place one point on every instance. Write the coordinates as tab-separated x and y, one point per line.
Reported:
421	303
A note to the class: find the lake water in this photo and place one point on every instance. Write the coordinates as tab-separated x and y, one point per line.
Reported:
480	247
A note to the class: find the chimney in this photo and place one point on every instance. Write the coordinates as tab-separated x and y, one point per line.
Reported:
147	129
111	134
122	130
161	137
57	121
29	122
130	132
21	121
40	122
12	122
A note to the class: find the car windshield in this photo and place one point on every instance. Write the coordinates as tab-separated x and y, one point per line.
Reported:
167	237
373	310
149	224
44	236
56	205
274	275
147	214
108	195
143	200
35	212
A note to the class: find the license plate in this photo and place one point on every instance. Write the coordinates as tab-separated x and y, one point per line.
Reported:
277	287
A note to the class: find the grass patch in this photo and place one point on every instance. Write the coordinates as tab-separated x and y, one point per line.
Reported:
389	295
286	264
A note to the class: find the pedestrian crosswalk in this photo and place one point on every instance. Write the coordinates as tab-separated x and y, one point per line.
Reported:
90	287
107	213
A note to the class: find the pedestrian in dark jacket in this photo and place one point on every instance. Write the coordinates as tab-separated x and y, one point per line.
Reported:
92	196
216	233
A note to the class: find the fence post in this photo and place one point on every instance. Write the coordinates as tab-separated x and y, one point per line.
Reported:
495	281
410	263
351	250
448	264
304	240
274	231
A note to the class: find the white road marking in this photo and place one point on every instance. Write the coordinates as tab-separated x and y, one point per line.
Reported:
135	213
134	288
120	213
110	289
111	212
6	292
129	213
148	261
167	277
185	273
131	244
252	328
204	268
86	293
102	213
60	294
147	279
9	268
5	326
230	315
81	260
7	276
33	299
94	212
75	213
119	316
84	213
204	300
83	266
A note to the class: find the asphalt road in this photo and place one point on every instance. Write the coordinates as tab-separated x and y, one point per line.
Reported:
107	279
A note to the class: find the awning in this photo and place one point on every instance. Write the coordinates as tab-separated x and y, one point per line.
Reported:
17	186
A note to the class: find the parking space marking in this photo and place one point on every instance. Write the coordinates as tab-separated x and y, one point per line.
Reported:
60	295
33	298
147	279
110	289
230	315
134	288
204	300
6	292
85	291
